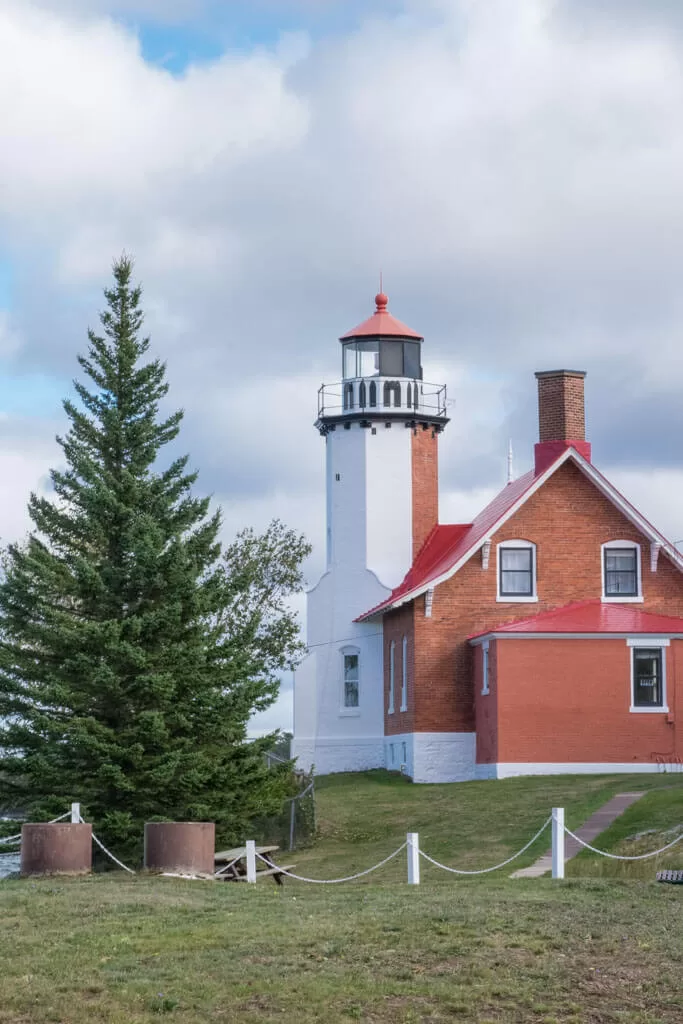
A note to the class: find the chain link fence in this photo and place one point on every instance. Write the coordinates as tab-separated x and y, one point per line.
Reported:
295	826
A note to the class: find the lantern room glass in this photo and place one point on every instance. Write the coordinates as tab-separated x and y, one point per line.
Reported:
381	358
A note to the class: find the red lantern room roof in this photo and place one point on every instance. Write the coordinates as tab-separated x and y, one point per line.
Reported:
381	323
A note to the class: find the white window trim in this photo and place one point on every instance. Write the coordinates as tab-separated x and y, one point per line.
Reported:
485	690
392	679
619	599
649	642
345	712
522	598
404	675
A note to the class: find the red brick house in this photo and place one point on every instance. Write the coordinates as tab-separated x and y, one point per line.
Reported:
544	637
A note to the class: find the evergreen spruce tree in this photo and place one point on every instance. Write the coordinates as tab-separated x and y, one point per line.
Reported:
132	654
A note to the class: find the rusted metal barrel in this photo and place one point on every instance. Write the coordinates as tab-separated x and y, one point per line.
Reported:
186	846
59	849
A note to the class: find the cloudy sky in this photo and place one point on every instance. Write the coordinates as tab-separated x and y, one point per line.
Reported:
514	167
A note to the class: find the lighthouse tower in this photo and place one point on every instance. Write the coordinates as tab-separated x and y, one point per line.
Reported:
380	424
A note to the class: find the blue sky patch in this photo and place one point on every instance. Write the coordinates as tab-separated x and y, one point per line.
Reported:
242	27
5	284
31	394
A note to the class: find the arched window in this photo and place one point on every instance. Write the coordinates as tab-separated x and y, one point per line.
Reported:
621	572
392	387
404	676
362	396
348	396
373	395
350	694
516	571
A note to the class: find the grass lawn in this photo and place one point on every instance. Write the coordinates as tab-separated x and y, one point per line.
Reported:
362	818
651	823
589	951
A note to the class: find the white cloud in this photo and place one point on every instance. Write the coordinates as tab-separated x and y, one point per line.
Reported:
514	170
91	133
161	10
26	455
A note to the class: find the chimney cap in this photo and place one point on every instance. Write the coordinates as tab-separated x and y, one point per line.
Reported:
559	373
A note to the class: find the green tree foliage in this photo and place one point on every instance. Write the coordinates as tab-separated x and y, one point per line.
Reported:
132	652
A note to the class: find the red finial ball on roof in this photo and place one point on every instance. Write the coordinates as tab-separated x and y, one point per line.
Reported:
382	302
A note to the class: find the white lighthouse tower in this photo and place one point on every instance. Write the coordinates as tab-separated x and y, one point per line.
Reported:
380	425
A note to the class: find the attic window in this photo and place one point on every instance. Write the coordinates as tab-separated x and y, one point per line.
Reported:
621	576
516	571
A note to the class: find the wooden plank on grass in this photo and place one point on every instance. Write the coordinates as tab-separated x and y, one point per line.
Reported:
241	851
277	870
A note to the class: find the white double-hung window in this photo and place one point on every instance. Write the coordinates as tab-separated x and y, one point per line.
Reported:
350	695
516	571
648	674
392	679
621	572
485	668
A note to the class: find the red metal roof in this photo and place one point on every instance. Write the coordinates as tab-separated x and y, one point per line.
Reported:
592	617
433	558
381	323
428	570
446	545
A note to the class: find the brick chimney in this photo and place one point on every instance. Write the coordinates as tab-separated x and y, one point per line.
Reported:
561	416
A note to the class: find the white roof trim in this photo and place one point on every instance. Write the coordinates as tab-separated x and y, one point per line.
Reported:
642	638
603	485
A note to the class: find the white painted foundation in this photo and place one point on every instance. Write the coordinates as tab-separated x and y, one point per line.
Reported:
432	756
514	769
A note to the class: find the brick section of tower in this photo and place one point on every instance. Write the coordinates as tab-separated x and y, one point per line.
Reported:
561	410
425	489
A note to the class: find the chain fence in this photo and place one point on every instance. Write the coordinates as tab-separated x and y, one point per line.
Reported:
496	867
411	845
617	856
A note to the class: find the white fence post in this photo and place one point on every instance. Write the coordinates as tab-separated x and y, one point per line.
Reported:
413	847
251	860
558	842
75	814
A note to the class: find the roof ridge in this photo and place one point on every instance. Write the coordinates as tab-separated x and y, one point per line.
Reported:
505	504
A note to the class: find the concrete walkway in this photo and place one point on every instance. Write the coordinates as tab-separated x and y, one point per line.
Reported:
592	828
